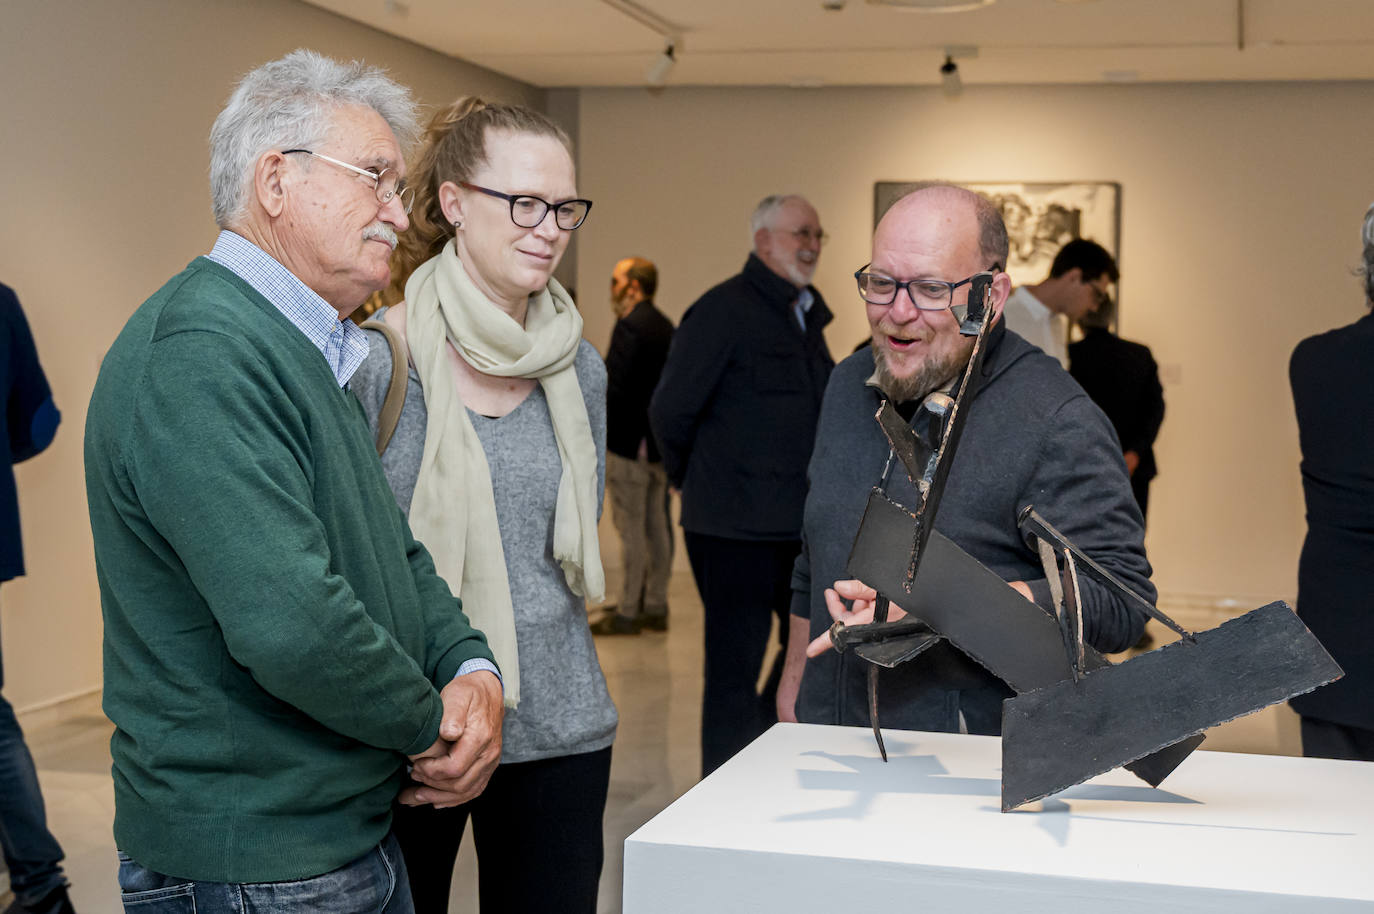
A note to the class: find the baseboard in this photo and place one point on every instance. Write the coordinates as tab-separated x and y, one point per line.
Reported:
55	711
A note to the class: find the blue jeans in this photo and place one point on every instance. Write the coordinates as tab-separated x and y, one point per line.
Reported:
31	852
375	883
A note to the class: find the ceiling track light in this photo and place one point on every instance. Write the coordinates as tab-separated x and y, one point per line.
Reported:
657	74
658	71
950	82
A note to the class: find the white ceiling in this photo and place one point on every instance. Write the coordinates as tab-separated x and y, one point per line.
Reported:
571	43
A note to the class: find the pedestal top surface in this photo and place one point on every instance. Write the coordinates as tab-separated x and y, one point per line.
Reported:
1273	824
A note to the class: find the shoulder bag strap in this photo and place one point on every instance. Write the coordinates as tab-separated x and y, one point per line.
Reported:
395	399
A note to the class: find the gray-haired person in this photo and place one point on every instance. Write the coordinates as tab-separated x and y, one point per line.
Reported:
735	414
278	647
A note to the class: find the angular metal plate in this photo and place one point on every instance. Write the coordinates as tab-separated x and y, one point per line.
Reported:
1068	732
1011	637
896	651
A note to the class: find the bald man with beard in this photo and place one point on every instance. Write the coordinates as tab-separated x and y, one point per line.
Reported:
1032	437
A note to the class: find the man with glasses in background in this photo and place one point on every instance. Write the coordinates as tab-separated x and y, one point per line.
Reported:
277	645
1079	282
1032	438
735	414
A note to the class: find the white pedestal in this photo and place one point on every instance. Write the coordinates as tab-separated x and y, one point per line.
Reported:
809	818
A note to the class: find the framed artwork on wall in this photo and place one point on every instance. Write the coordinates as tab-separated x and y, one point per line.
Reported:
1040	218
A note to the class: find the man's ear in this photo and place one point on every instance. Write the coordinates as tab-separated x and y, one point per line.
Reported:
760	239
270	183
1001	291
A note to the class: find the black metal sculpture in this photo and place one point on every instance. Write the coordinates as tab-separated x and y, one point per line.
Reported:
1075	714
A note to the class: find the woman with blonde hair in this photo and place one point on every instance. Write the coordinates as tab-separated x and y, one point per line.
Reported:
498	456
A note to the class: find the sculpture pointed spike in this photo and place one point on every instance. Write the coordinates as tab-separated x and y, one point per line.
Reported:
873	708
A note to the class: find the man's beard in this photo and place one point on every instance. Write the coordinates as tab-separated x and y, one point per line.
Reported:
933	374
800	273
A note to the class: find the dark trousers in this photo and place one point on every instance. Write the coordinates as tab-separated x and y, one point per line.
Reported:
537	829
31	852
744	585
1324	739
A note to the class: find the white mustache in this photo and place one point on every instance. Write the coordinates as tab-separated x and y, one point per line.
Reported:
380	230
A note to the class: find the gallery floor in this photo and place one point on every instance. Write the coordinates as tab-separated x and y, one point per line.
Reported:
655	679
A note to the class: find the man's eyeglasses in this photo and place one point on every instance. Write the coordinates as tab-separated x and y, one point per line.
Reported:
806	236
387	183
527	211
926	294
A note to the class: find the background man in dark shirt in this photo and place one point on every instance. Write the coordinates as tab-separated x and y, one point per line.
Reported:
32	854
1122	378
635	479
735	415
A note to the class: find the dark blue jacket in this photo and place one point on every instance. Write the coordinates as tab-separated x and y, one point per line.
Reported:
30	420
735	411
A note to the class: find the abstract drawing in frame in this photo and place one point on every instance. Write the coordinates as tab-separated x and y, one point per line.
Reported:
1040	218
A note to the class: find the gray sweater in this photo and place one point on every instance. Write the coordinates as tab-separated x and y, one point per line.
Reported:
564	706
1032	437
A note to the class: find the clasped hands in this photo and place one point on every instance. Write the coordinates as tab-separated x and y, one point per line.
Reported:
863	599
457	767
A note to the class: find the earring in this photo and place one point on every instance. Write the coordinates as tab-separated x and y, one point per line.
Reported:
457	224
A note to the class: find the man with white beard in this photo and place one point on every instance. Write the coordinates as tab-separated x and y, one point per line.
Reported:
735	413
1032	437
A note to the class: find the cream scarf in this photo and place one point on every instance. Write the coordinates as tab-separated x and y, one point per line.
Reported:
454	510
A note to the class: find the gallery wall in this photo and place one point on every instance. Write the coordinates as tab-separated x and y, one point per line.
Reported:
1241	207
106	110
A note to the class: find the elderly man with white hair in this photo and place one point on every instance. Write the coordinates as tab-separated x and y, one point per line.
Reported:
734	413
278	648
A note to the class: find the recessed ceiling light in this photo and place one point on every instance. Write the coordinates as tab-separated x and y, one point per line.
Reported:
933	6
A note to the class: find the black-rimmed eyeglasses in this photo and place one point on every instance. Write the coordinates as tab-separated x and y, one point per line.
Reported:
926	294
387	183
528	211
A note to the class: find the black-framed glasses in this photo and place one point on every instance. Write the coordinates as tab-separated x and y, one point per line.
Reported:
387	182
926	294
528	211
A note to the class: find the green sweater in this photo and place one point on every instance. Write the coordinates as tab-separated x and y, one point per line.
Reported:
273	633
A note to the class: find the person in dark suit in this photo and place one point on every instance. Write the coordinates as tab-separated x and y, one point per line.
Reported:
635	479
735	414
1121	377
31	853
1332	375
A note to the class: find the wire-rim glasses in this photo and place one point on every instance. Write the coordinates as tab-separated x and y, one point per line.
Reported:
925	294
528	211
387	182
